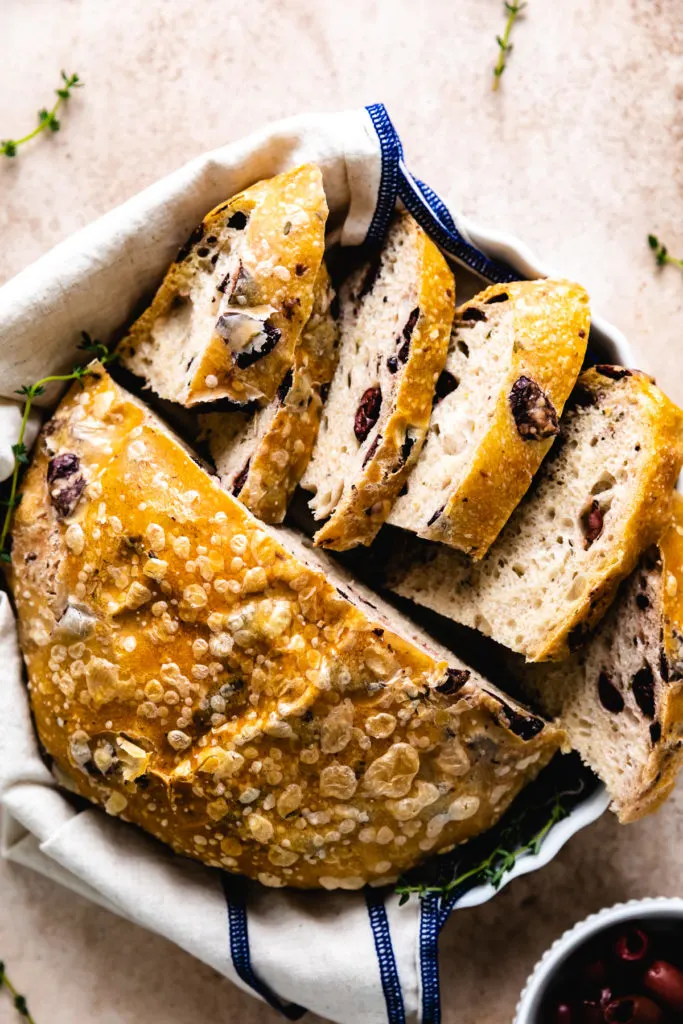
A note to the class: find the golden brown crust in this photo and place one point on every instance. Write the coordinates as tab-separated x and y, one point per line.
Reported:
550	327
664	763
649	512
365	506
276	461
190	674
280	251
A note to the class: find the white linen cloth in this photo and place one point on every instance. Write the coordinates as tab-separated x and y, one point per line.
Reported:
92	282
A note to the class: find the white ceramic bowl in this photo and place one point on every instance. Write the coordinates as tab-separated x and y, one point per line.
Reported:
554	958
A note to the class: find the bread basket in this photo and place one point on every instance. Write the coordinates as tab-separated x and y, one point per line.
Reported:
282	946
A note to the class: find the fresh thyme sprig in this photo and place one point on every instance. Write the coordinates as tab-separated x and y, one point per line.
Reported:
47	119
499	862
661	252
514	10
19	1000
30	392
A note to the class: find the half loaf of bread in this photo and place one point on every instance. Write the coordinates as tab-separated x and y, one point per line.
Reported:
209	679
602	496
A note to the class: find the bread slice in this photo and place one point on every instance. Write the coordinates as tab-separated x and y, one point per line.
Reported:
396	315
620	699
229	313
514	356
193	673
261	458
602	496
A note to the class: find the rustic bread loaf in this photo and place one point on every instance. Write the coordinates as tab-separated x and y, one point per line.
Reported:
229	313
601	497
395	319
193	675
261	457
620	699
514	356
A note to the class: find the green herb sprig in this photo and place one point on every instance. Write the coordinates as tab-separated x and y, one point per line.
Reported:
19	1000
662	254
514	10
30	392
47	119
498	863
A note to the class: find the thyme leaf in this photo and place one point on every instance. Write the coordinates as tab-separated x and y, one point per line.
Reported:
47	119
19	1001
513	9
661	253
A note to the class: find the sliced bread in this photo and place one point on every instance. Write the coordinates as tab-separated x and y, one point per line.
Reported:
395	320
601	497
201	674
514	356
229	313
261	458
620	699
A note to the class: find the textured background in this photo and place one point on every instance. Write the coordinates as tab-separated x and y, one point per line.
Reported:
580	154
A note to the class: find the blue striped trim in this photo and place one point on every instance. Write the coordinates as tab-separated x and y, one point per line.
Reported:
391	152
234	889
388	972
428	209
429	959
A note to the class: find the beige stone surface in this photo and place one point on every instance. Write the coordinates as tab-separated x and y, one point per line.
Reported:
580	154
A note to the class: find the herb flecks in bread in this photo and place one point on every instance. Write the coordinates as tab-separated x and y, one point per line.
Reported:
395	318
514	355
228	316
602	496
203	676
620	698
261	457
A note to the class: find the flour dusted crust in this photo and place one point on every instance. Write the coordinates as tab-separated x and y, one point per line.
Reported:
190	674
601	498
515	352
229	313
395	320
261	458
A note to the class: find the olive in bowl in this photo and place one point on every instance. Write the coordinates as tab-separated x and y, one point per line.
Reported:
623	965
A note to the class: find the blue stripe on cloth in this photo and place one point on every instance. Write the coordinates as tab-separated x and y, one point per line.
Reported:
391	152
428	209
234	889
388	972
429	959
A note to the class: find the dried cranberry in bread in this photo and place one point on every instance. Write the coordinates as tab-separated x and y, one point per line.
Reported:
514	356
620	698
261	457
229	313
201	675
601	497
395	319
